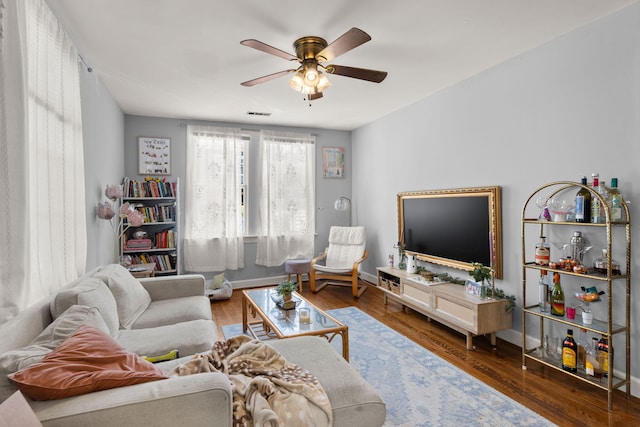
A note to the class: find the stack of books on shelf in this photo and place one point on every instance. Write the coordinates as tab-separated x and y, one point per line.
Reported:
149	188
138	244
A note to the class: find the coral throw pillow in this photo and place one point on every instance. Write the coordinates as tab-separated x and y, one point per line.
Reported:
89	360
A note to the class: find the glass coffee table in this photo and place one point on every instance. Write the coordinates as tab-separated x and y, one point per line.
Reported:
269	320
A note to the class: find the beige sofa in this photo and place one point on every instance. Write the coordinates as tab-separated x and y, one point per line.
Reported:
151	317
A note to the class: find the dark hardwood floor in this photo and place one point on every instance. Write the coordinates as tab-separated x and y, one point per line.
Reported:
559	398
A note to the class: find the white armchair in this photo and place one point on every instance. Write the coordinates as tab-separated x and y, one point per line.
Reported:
343	256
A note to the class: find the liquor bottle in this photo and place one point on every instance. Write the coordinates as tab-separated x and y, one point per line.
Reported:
582	348
614	200
570	353
543	292
603	355
597	206
557	297
543	252
583	203
592	366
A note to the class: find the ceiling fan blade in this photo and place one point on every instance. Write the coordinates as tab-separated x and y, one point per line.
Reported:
313	96
349	40
266	78
268	49
357	73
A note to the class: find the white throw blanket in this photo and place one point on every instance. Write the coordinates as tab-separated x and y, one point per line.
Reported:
267	389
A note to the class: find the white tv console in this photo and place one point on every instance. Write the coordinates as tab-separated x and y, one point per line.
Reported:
447	303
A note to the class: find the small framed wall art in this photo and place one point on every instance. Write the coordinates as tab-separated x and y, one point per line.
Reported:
333	162
154	156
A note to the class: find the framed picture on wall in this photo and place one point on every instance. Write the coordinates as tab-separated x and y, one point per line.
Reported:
154	155
333	162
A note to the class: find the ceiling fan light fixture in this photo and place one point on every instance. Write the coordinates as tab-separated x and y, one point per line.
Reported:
310	75
297	81
301	84
323	83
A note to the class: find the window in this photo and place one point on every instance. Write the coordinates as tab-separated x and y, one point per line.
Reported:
216	202
287	197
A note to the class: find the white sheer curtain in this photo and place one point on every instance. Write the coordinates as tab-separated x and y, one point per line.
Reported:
287	197
42	209
213	238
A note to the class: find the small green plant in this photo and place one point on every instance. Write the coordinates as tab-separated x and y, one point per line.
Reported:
286	287
480	273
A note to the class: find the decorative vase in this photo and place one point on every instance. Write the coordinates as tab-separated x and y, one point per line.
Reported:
286	297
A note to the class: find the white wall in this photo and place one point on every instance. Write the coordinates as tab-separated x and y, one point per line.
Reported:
102	131
568	107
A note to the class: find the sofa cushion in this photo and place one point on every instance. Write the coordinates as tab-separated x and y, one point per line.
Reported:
58	331
89	292
172	311
353	400
89	360
132	299
187	337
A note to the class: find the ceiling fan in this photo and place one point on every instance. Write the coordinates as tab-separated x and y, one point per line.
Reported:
311	53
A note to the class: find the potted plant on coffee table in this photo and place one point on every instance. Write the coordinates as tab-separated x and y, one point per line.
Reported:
285	288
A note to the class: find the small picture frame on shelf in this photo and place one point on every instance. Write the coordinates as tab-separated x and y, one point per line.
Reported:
154	155
333	162
476	289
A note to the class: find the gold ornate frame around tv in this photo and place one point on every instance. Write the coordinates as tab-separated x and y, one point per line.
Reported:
447	227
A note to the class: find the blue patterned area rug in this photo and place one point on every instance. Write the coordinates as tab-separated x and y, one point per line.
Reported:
418	387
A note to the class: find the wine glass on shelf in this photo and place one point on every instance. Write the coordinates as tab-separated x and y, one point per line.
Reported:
542	204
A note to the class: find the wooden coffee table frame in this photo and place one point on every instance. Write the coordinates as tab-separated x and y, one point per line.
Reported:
264	328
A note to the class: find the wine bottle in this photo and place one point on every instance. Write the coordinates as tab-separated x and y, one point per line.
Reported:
557	297
543	252
570	353
614	200
583	203
597	208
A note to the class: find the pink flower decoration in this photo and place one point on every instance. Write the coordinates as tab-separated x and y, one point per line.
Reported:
125	208
105	210
135	218
113	192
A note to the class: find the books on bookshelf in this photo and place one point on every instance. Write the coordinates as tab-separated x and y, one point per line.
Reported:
152	188
158	213
138	244
156	239
165	263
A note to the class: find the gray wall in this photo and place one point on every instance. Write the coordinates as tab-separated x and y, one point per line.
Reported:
566	108
327	190
102	131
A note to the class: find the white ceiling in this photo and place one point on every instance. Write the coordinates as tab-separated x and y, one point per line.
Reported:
183	58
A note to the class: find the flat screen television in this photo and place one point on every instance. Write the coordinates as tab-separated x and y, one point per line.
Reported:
454	227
